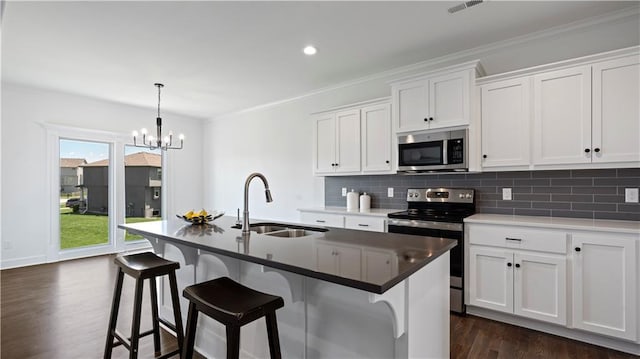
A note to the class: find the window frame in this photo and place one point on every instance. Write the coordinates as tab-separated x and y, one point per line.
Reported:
117	205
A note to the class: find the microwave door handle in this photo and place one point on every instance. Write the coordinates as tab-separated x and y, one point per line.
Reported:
445	155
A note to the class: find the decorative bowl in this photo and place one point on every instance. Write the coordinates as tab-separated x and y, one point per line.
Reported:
201	219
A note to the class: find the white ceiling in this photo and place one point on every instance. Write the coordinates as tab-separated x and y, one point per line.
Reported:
220	57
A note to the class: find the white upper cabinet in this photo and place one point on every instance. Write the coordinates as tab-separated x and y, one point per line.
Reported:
354	140
449	99
348	141
436	100
616	110
411	105
506	122
337	142
376	138
562	116
325	143
579	113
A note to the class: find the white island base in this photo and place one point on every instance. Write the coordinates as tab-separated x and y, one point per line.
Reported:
322	319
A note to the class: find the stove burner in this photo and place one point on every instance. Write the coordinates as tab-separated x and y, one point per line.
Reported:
451	209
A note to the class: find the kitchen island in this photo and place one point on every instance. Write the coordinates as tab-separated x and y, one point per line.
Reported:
347	293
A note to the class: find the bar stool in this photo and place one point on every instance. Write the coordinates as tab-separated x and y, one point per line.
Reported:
233	305
143	266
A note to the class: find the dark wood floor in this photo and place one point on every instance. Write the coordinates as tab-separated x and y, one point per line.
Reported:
61	310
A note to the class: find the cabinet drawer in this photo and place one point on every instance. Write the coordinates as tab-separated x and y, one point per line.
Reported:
322	219
364	223
543	240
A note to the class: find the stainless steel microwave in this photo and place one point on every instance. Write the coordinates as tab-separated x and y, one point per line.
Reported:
433	152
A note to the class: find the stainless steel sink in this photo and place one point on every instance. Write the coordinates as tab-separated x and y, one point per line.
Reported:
265	228
282	230
290	233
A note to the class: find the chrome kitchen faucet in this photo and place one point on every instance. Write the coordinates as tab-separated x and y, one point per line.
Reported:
267	192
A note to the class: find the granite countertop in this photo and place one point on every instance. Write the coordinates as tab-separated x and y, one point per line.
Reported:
600	225
300	255
373	212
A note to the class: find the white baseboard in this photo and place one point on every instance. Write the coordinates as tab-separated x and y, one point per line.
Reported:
22	262
575	334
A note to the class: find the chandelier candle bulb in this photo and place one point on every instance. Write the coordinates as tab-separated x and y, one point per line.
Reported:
158	142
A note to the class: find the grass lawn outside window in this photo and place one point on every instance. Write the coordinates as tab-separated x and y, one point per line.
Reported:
79	230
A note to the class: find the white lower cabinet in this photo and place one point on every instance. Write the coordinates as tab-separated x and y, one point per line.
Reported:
379	266
339	260
322	219
364	223
522	283
360	222
491	280
582	279
605	277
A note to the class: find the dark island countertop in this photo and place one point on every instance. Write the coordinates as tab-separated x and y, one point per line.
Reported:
301	255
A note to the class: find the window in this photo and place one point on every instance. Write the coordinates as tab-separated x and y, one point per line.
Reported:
143	186
84	209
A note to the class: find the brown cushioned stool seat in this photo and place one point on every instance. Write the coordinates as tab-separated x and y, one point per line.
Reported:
233	305
143	266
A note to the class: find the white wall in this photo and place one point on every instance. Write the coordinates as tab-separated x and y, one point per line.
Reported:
24	160
277	140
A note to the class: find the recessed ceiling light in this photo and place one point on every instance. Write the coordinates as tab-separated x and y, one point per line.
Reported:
309	50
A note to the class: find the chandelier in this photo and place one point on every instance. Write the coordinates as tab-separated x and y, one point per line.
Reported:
152	143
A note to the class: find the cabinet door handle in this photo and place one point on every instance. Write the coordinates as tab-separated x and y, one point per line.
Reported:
578	249
363	225
517	265
426	119
387	161
430	118
596	150
320	221
509	264
484	156
514	239
587	150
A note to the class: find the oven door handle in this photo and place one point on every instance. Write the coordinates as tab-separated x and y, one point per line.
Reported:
456	227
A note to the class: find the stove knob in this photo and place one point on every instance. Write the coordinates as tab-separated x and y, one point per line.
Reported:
461	195
469	196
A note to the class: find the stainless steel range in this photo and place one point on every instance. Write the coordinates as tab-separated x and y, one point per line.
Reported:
439	212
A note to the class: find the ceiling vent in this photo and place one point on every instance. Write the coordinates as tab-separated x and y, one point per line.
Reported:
464	5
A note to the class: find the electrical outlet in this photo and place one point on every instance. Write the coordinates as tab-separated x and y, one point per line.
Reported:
344	191
506	194
631	195
390	192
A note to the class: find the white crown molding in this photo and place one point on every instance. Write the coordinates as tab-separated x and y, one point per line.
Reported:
386	99
584	60
612	17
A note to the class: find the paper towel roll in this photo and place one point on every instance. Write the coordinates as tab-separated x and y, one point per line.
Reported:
365	202
352	200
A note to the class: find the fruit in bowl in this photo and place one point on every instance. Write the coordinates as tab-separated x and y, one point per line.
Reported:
200	217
